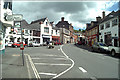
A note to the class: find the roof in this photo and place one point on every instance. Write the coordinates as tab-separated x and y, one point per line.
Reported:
110	16
34	26
56	28
90	26
61	23
39	20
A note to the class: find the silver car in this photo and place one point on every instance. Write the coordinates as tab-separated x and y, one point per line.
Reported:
99	47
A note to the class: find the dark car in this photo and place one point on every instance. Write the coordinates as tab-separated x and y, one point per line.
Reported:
99	47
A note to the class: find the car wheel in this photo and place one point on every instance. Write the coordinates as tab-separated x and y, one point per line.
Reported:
15	46
113	53
92	49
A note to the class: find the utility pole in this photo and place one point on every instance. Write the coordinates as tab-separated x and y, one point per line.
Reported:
22	43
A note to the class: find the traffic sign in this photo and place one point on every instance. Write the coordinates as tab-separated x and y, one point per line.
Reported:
14	17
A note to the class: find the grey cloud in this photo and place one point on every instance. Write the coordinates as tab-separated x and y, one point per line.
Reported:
36	10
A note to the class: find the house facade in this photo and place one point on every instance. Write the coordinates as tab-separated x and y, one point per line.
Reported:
92	31
45	29
13	34
109	29
6	9
64	30
55	33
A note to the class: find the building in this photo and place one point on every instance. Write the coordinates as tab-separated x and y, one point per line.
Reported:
109	29
71	33
64	30
6	9
55	33
13	34
92	31
45	29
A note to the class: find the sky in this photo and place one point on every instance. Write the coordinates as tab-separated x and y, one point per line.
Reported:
76	12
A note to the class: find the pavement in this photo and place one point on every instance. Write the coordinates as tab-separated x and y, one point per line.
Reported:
12	67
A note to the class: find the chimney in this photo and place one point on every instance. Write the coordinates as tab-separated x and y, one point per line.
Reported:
62	19
103	14
98	19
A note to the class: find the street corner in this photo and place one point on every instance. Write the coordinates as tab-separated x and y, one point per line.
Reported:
12	67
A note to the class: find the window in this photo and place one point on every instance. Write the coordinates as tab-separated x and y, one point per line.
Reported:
46	23
56	32
8	5
107	24
26	31
101	27
46	29
52	32
114	22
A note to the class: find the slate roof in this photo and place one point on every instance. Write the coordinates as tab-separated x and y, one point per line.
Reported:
90	26
39	20
34	26
61	23
111	15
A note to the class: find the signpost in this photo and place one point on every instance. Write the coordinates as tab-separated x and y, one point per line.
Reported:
17	18
14	17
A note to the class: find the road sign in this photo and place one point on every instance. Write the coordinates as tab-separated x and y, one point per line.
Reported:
14	17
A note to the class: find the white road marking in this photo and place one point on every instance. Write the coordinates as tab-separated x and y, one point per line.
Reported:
52	64
63	52
82	69
28	67
51	55
66	69
52	74
33	67
58	49
52	58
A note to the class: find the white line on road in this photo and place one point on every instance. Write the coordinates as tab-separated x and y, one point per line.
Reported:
28	67
33	67
52	58
66	69
82	69
63	52
52	64
52	74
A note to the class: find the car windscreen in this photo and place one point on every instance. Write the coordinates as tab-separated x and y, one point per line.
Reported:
101	44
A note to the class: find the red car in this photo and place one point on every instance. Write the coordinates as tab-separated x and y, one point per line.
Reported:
18	44
57	43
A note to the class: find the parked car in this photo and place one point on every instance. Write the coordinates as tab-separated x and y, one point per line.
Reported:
57	43
99	47
34	44
9	44
114	50
44	43
50	45
18	44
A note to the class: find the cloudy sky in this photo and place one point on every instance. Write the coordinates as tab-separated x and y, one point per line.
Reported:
78	12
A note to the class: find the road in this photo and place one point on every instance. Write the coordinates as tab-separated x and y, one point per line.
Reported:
69	62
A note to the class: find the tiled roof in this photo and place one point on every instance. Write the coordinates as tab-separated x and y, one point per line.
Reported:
39	20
